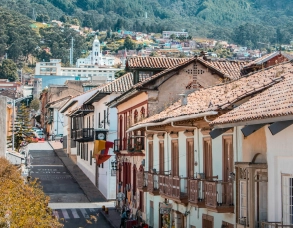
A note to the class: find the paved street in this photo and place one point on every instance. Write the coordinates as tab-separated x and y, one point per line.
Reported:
67	199
53	175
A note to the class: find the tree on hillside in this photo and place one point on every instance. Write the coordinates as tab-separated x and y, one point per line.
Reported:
8	70
173	37
129	44
22	205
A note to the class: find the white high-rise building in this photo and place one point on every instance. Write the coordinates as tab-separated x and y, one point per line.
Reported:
96	57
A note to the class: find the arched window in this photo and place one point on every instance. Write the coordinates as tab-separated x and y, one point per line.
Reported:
135	116
142	113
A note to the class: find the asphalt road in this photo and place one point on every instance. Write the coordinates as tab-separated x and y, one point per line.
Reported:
61	187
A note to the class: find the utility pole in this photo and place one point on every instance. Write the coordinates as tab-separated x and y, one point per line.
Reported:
34	16
71	52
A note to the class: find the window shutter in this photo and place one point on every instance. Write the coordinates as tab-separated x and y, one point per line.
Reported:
208	162
161	157
190	157
175	157
151	156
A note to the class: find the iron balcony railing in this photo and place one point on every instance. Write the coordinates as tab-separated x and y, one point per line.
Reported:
83	135
134	144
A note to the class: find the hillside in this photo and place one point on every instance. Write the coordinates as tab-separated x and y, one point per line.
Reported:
205	18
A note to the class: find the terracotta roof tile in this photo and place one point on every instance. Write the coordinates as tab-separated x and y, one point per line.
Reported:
121	84
273	102
153	62
222	96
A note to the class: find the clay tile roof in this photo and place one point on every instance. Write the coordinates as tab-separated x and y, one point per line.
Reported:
231	69
153	62
146	80
263	59
274	102
82	108
222	96
121	84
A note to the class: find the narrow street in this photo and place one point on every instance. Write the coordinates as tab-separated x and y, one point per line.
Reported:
63	189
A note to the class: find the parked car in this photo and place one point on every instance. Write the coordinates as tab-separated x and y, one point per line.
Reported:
56	137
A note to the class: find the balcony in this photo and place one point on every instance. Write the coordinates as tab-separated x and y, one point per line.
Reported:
132	145
83	135
142	181
219	196
153	184
274	225
174	188
196	193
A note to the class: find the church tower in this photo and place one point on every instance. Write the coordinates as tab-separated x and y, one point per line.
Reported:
96	52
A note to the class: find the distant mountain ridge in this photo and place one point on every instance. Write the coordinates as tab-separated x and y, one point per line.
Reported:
199	17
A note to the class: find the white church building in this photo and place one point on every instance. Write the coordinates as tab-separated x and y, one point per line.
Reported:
96	57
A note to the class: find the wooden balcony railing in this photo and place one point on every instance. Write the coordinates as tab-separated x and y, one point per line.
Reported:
142	180
153	183
174	188
274	225
196	192
83	135
219	196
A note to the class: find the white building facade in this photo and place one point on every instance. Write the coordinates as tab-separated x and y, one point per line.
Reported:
96	57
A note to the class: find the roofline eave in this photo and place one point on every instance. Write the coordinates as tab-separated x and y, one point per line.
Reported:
173	119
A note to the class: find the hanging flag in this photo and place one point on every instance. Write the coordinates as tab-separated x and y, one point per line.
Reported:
102	158
98	146
108	145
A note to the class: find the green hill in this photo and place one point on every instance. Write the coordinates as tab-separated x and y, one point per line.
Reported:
271	20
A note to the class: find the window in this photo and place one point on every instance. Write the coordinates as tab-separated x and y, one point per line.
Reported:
151	156
175	157
141	203
161	157
78	149
243	201
287	193
227	225
91	157
190	157
228	163
207	157
207	221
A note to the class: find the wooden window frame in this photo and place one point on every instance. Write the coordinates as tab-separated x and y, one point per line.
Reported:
161	157
207	218
151	156
225	173
175	157
190	158
207	158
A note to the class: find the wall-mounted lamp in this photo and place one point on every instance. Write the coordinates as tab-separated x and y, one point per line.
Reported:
186	213
114	165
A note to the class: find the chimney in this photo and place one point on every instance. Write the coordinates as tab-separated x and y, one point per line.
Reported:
183	99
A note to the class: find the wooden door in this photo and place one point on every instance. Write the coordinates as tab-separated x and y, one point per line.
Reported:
228	162
161	158
207	157
151	157
190	157
175	158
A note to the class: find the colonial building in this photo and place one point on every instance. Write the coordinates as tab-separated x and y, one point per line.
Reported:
150	94
264	173
189	168
90	121
96	57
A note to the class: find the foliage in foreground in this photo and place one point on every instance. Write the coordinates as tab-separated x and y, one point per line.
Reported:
22	205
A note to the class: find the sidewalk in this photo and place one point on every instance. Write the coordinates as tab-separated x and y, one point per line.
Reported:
113	217
90	190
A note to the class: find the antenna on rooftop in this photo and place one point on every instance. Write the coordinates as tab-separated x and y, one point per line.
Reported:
71	53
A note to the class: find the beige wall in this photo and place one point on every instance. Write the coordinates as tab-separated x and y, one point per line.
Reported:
132	102
205	78
72	88
253	144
